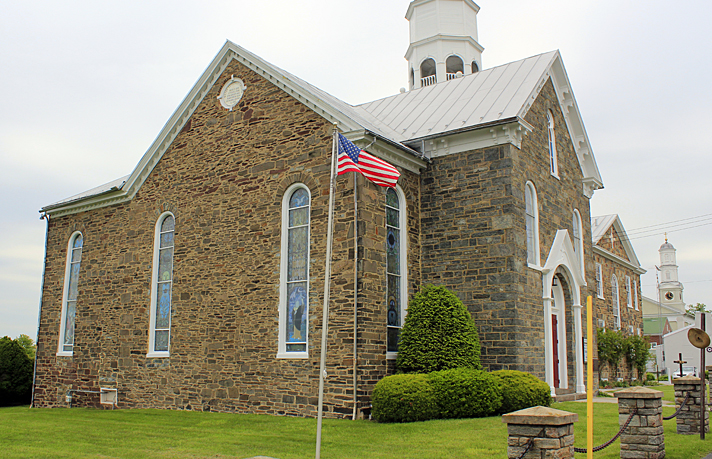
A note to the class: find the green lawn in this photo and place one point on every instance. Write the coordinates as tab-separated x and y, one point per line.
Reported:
88	433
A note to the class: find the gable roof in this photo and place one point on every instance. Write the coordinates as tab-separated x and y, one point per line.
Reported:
489	97
397	124
600	226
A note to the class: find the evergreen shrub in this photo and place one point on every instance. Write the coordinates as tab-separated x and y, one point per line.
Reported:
403	398
15	374
465	393
438	334
521	390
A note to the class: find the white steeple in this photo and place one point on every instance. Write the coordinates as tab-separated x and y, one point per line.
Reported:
443	41
670	287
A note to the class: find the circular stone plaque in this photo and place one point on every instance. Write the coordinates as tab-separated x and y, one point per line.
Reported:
231	93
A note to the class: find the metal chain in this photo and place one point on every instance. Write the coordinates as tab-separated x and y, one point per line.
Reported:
530	443
609	442
687	397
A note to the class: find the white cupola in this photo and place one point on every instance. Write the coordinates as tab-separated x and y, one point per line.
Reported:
670	286
443	41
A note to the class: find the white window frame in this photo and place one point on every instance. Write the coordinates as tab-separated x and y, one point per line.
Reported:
599	280
553	156
65	295
635	295
402	220
629	292
531	215
615	298
152	352
283	276
578	240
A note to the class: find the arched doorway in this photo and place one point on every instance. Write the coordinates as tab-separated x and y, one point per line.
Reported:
558	336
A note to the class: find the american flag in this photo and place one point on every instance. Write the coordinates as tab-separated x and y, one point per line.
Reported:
353	159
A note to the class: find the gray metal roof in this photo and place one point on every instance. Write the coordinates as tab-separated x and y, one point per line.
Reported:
101	189
480	98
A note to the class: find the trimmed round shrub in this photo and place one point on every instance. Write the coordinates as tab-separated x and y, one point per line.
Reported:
466	393
15	374
438	334
403	398
521	390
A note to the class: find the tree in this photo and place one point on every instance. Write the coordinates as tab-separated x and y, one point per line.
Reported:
699	307
28	345
438	334
610	348
15	373
636	350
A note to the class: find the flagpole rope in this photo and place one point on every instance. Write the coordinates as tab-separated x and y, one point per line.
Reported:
327	285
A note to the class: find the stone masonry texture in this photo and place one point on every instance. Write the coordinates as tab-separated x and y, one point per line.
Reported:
223	178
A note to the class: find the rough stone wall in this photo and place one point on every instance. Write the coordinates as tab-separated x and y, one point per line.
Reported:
629	315
611	242
223	178
474	237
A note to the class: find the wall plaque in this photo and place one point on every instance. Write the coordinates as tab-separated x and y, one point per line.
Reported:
231	92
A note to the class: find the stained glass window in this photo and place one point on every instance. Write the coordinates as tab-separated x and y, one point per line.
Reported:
553	160
531	224
69	309
163	284
296	303
393	269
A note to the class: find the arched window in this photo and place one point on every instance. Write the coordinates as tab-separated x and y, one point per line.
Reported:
635	295
453	64
412	77
616	302
294	273
553	159
427	72
396	266
578	240
69	296
628	292
532	224
475	67
161	287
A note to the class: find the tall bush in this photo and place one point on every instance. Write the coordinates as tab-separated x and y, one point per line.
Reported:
438	334
610	347
15	374
637	353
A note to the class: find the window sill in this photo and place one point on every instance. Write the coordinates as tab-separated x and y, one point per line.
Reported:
535	267
293	355
65	354
600	297
556	176
391	355
157	355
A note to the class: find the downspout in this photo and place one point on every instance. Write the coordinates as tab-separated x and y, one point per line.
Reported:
39	314
355	412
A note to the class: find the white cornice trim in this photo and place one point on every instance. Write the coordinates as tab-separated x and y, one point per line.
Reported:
415	3
442	37
613	257
507	132
574	122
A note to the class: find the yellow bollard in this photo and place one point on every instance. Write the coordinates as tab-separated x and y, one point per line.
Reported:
589	369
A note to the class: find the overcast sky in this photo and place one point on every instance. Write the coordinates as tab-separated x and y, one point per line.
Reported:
86	86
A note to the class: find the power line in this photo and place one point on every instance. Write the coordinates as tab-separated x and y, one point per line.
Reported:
706	216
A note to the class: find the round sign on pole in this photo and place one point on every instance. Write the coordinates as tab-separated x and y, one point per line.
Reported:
698	338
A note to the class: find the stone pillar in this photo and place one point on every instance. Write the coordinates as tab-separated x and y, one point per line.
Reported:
644	437
688	421
550	431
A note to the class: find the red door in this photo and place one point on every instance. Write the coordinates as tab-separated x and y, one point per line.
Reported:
555	343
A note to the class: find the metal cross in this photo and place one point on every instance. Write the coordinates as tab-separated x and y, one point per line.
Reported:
680	362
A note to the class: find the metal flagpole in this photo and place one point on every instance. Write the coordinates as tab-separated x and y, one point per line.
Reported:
327	284
355	411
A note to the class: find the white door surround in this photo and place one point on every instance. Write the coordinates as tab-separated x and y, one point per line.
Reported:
562	256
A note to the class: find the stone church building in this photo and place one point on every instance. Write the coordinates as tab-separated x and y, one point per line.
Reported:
197	281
